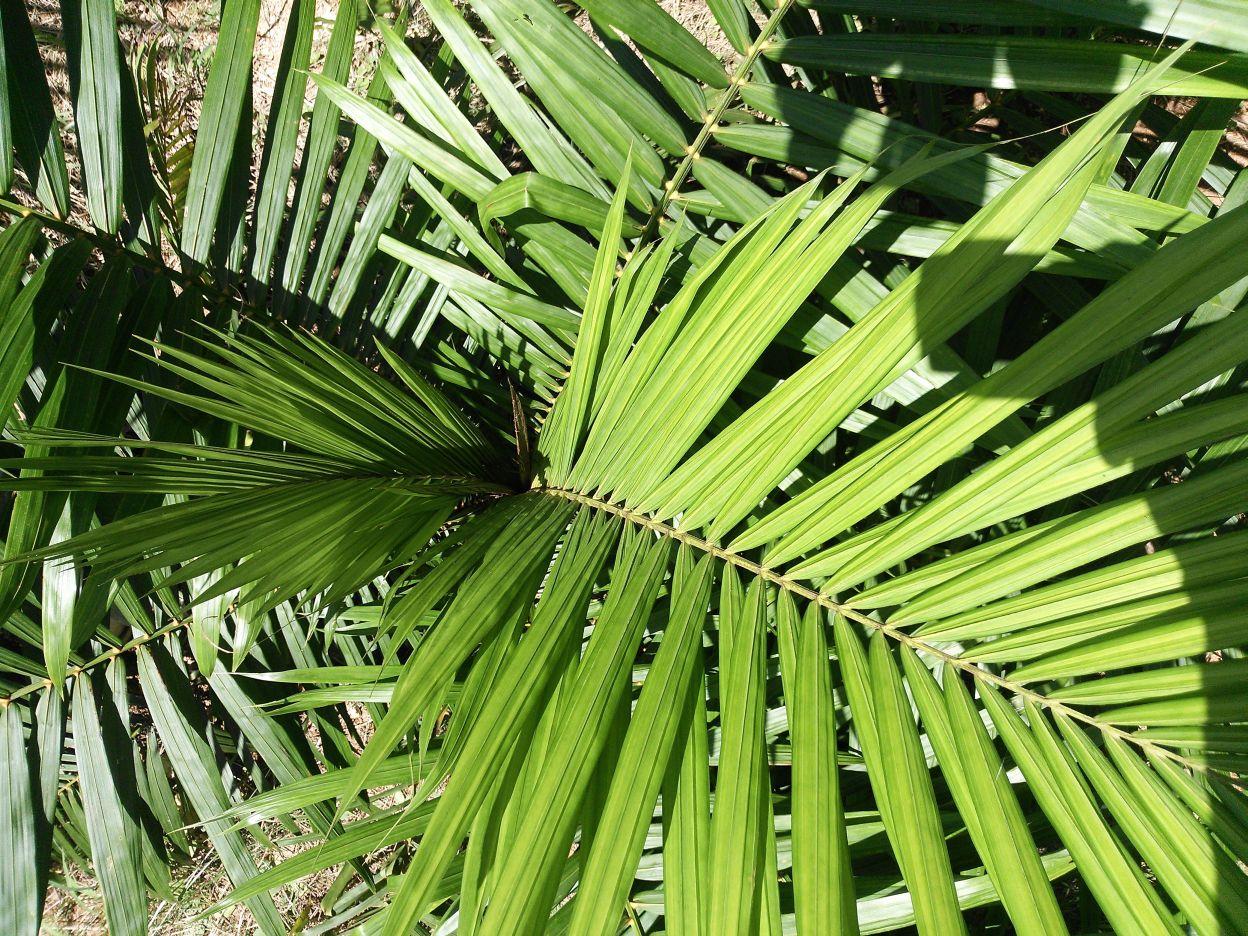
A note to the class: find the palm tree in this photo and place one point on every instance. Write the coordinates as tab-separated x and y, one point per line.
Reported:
632	492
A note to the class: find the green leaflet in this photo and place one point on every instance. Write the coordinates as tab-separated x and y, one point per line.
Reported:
1160	684
175	715
470	284
739	830
687	824
976	776
654	733
822	876
318	150
433	107
36	134
357	839
911	813
1086	432
529	872
551	153
509	712
6	119
1102	224
355	173
1197	563
569	417
549	196
1047	64
1097	532
223	117
997	243
280	138
108	793
951	292
656	31
20	896
1211	21
1204	883
95	68
505	584
1119	885
606	130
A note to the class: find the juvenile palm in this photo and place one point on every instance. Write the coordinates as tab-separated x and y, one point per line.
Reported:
680	498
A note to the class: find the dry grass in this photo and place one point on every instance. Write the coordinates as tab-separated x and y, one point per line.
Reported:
75	908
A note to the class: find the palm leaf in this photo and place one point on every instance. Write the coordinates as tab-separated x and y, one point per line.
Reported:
529	585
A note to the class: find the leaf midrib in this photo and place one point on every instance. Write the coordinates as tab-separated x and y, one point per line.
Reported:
797	588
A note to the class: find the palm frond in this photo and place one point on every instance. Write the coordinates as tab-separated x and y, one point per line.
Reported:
585	482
